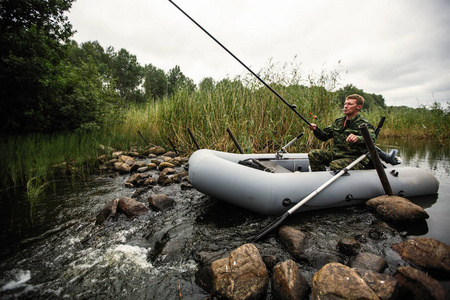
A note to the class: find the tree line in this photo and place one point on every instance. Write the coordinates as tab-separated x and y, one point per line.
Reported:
51	83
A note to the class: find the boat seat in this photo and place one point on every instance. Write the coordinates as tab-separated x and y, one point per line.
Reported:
270	166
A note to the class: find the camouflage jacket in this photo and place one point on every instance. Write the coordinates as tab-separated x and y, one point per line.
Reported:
339	134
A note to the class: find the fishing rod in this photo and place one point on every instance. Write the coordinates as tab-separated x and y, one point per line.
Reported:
291	106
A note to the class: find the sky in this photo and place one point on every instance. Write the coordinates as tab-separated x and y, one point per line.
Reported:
398	49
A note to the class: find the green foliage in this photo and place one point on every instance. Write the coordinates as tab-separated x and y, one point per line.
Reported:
32	45
155	84
371	100
128	74
176	81
207	84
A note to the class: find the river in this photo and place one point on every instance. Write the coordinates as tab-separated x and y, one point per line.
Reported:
65	255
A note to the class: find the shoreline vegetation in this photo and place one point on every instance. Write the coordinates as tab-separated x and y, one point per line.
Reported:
258	119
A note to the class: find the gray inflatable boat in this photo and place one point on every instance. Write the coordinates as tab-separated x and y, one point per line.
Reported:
270	184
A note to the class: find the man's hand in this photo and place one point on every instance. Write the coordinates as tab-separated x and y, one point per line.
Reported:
352	138
312	126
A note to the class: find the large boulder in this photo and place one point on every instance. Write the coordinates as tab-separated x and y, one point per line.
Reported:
426	253
337	281
397	209
288	283
241	275
415	284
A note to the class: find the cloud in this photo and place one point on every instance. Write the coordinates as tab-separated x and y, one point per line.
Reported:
398	49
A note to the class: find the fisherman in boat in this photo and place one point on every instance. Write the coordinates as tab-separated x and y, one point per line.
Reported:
348	143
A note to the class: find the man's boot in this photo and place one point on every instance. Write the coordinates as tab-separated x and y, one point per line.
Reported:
390	158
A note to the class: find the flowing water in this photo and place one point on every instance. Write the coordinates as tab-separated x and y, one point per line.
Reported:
65	255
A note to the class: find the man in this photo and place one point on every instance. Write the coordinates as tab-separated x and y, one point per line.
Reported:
348	144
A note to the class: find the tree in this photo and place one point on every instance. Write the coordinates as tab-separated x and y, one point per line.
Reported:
371	100
177	80
127	73
155	82
207	84
33	39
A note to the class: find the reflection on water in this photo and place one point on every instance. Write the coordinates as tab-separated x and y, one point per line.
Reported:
434	157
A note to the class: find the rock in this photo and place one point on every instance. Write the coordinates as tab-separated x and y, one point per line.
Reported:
161	202
349	246
170	154
126	159
142	169
385	286
150	182
156	150
117	154
151	166
336	281
415	284
163	179
288	282
241	275
398	209
321	259
133	179
293	240
426	253
107	212
186	186
130	207
177	177
169	171
164	165
122	167
369	261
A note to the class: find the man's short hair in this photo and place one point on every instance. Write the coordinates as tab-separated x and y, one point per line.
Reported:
359	99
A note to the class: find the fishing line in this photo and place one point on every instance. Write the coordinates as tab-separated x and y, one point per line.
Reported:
244	65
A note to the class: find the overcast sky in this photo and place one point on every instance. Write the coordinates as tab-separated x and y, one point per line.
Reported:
399	49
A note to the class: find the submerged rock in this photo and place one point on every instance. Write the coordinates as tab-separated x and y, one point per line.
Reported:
369	261
161	202
131	207
398	209
241	275
426	253
288	282
337	281
107	212
124	205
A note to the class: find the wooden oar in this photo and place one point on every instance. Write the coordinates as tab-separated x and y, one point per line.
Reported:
277	222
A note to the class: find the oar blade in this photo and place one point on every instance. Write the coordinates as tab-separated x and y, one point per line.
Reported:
269	228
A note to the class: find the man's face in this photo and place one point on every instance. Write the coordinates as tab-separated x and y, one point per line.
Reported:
351	108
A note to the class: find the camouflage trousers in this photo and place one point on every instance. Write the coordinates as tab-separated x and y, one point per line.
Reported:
318	159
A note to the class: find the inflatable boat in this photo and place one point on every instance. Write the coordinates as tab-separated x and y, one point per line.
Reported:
270	184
